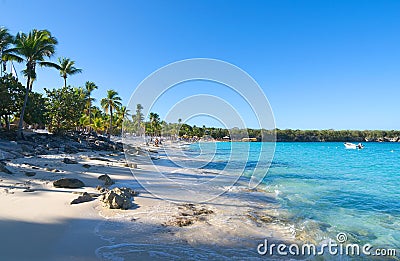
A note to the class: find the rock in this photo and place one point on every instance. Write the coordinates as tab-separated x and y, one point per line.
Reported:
118	198
97	158
69	161
107	180
68	183
101	189
70	149
85	197
52	169
131	165
4	169
29	190
30	173
86	166
182	222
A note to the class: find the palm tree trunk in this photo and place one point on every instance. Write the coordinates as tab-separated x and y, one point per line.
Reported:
21	117
8	122
65	81
111	116
90	114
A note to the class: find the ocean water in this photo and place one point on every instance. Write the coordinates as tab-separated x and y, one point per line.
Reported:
325	188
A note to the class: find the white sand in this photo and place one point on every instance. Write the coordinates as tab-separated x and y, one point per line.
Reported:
42	225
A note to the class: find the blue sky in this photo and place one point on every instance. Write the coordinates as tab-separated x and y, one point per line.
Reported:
322	64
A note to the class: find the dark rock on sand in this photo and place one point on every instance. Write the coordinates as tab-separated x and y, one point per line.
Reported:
68	183
4	169
52	169
118	198
86	166
107	180
69	161
97	158
85	197
30	173
131	165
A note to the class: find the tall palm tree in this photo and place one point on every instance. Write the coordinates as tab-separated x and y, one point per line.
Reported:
31	48
90	86
154	122
122	114
138	118
110	103
66	67
6	39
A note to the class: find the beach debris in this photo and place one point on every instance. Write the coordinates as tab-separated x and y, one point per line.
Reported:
107	180
30	173
86	166
85	197
69	161
68	183
118	198
4	169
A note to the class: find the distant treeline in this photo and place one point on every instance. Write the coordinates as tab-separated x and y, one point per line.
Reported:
338	135
300	135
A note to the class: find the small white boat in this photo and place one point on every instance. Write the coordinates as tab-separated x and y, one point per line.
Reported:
353	146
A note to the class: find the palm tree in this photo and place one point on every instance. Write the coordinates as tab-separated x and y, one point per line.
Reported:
154	122
122	115
112	101
90	86
138	118
66	67
6	39
31	48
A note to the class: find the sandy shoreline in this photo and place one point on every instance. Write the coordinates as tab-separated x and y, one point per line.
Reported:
42	225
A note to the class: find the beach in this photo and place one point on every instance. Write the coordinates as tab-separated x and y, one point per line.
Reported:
39	223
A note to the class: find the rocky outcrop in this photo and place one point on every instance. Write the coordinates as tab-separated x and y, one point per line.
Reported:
86	166
85	197
4	169
69	161
189	214
30	173
118	198
107	180
68	183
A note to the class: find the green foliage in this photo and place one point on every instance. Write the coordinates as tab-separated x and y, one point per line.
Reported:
6	39
36	112
111	103
65	107
11	97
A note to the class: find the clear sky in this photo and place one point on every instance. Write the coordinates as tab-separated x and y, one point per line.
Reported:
322	64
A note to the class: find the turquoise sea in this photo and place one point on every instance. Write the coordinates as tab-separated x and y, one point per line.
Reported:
325	189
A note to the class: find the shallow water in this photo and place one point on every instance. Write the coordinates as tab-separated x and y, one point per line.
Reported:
328	189
311	192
